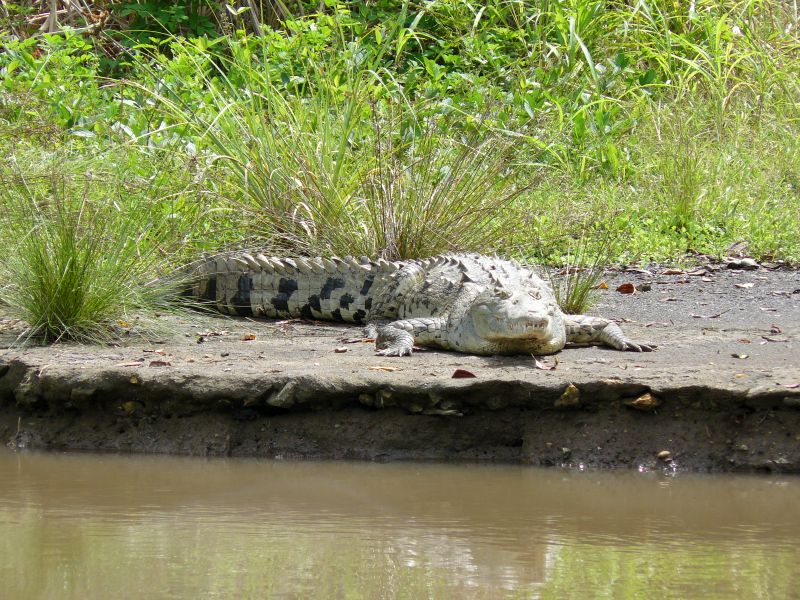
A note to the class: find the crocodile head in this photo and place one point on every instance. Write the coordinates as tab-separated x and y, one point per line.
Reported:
506	321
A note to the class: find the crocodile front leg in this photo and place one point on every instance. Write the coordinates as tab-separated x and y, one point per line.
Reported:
398	337
582	329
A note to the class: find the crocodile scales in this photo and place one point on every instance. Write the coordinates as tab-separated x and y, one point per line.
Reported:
465	302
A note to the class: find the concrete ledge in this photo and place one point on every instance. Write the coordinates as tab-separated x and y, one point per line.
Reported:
720	393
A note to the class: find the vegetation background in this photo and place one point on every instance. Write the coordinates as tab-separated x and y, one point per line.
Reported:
137	134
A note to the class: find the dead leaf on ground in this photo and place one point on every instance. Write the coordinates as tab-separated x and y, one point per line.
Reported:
768	309
743	341
792	386
673	272
654	323
627	288
383	368
716	316
772	339
775	329
542	365
462	374
248	337
159	352
698	273
134	363
737	355
744	286
601	286
340	350
160	363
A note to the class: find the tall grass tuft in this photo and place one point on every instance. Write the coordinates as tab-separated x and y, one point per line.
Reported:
349	166
77	260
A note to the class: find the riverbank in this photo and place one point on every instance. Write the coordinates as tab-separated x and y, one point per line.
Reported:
720	394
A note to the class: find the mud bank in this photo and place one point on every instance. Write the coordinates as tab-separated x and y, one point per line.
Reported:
720	394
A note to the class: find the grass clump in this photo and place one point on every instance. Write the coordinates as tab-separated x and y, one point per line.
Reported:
78	262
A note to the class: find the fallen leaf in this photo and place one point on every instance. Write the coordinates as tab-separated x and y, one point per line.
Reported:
340	350
652	323
382	368
744	286
792	386
627	288
707	279
161	352
743	341
673	272
768	309
248	337
462	374
159	363
124	324
135	363
601	286
775	329
772	339
698	273
719	314
541	365
736	355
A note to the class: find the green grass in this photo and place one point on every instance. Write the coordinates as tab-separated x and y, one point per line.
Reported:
579	132
82	253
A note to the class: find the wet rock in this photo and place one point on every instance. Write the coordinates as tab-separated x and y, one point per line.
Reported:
81	397
664	455
746	264
27	394
285	398
570	398
644	402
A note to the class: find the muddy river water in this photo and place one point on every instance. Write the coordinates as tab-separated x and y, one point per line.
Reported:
107	526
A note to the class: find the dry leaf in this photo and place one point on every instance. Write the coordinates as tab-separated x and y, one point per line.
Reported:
160	352
159	363
135	363
698	273
736	355
792	386
462	374
601	286
627	288
775	329
743	341
248	337
744	286
340	350
383	368
543	366
673	272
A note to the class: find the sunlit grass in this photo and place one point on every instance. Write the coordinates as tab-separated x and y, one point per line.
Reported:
81	259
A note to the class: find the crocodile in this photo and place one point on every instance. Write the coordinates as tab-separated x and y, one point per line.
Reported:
469	303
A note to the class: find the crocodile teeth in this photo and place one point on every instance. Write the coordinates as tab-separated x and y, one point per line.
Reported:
251	262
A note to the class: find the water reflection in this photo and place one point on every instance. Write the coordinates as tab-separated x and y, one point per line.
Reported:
88	526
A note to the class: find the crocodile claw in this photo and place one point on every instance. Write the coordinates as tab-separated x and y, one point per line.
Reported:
631	346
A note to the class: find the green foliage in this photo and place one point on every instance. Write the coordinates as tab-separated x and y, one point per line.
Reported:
81	251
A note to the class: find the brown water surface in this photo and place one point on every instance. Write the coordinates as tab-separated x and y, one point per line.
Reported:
106	526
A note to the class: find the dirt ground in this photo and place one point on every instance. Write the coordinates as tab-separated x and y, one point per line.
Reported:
721	393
